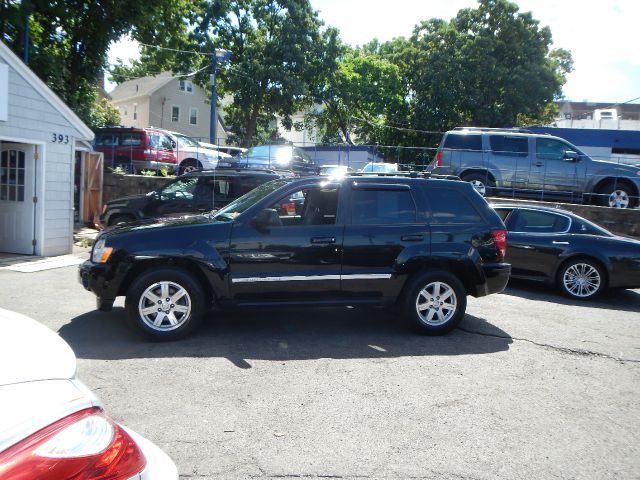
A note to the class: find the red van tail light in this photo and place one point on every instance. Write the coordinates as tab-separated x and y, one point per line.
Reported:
439	159
86	445
500	240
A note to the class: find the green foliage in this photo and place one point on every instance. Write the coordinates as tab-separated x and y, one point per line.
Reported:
485	67
117	170
104	114
148	173
164	171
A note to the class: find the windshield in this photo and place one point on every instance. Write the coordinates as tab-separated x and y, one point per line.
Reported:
380	168
241	204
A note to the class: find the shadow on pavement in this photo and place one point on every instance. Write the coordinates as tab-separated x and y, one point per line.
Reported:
281	335
614	299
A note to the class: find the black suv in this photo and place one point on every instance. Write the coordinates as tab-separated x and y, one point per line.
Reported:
194	192
422	244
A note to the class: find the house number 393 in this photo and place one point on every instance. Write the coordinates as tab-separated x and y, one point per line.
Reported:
59	138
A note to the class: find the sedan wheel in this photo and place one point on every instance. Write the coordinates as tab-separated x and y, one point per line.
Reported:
581	279
165	303
435	302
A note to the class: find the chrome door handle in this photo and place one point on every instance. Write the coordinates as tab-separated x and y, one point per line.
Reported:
323	240
560	243
539	164
412	238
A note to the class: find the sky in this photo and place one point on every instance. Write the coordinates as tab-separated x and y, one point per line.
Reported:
601	36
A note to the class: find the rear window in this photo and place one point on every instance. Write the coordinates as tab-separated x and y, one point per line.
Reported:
107	140
533	221
461	141
509	146
451	206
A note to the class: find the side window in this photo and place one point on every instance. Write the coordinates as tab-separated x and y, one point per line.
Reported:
503	213
165	143
386	207
131	140
311	206
462	141
154	141
550	149
249	183
107	140
451	206
532	221
183	188
509	145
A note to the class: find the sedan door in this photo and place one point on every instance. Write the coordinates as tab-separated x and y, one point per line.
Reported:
291	251
535	241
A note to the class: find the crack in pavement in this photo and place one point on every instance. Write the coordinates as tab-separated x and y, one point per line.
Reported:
570	351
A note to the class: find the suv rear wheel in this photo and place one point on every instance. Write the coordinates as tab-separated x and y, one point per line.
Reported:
435	302
165	303
482	183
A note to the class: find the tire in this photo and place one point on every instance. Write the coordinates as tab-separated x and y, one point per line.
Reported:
147	299
482	183
617	194
189	165
434	319
121	219
581	279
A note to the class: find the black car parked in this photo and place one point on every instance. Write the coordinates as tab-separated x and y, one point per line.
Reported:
561	248
422	244
276	157
194	192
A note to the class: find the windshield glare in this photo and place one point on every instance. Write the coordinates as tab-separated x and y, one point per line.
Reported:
243	203
187	141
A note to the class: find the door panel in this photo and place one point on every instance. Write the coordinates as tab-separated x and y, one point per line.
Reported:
17	189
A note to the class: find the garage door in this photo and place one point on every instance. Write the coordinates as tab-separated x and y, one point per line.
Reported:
17	185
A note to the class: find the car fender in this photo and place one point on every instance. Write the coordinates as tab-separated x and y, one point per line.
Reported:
572	253
613	171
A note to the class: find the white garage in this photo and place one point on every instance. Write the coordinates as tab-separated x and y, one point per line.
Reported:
40	138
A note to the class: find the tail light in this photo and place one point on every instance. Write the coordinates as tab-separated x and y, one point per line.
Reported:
86	445
500	241
439	159
290	208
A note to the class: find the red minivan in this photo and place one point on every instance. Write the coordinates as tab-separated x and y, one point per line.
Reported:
135	149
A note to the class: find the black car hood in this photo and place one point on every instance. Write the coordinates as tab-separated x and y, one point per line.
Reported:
159	223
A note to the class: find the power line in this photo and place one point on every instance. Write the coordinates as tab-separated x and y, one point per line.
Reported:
431	132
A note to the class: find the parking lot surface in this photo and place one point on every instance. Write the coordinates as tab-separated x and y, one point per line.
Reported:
532	385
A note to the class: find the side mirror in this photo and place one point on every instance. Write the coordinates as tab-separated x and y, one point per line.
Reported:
570	156
266	219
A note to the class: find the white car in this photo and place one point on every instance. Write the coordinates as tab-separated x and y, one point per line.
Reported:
54	427
192	155
380	167
233	151
335	170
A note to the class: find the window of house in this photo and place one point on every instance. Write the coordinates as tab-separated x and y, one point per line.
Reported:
186	86
175	113
193	116
124	109
12	168
382	207
135	111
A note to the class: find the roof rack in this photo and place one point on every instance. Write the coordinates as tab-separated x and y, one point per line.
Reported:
489	129
412	174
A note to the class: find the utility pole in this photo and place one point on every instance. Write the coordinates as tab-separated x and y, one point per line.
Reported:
218	55
25	33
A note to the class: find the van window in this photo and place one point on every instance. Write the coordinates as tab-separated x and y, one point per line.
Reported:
107	140
551	149
509	145
462	141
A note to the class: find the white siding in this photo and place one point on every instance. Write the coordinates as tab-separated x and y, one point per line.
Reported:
33	119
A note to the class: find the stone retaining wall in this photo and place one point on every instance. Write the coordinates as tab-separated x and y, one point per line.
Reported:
116	186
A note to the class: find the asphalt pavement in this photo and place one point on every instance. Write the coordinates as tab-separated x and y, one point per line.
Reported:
532	385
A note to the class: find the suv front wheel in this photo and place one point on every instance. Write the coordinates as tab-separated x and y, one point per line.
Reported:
165	303
435	302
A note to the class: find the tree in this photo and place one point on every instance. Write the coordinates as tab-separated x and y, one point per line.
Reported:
69	39
104	114
485	67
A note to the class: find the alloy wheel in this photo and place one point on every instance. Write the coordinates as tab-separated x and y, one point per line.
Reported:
479	186
436	303
581	280
619	199
164	306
